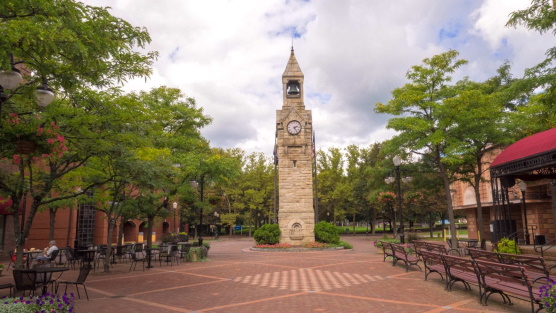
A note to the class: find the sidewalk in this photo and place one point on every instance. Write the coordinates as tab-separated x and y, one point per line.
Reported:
236	279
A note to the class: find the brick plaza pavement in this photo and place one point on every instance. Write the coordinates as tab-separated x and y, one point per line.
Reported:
236	279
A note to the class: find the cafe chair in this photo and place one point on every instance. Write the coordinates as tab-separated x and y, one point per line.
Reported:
26	280
83	273
53	256
136	259
6	286
70	258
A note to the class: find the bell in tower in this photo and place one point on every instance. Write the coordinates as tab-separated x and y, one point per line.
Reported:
293	88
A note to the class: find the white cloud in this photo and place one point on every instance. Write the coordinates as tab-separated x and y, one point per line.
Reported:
230	55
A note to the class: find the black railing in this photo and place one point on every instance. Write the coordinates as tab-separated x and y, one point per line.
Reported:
542	248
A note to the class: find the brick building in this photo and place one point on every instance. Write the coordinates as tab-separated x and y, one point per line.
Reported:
518	192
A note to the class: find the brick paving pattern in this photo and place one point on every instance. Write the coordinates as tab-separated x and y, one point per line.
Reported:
236	279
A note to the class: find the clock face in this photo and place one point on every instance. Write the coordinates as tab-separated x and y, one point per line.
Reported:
294	127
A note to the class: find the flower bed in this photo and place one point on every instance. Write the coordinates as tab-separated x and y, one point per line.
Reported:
310	246
47	303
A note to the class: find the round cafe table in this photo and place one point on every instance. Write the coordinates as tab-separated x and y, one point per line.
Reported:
150	253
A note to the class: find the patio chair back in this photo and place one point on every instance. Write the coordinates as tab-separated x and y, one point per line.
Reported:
83	273
54	255
25	280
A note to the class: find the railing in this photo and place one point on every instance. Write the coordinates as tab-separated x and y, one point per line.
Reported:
541	248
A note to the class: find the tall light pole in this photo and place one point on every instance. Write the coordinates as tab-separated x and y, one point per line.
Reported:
12	80
175	206
397	162
523	187
194	184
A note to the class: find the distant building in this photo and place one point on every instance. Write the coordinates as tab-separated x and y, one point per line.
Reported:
529	163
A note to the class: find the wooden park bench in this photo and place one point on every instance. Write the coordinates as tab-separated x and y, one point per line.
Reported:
400	253
387	250
478	254
507	280
429	247
536	267
462	270
434	263
419	246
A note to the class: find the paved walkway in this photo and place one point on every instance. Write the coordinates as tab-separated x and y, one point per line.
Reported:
236	279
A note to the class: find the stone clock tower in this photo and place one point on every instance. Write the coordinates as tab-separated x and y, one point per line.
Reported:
294	129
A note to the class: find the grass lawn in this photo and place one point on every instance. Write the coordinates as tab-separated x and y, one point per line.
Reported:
437	233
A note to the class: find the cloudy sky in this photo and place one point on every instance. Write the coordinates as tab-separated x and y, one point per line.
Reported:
230	56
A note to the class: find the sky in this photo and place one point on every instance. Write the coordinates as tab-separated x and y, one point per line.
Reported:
230	56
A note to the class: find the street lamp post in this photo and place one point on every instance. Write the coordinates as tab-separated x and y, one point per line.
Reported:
523	187
12	80
175	206
194	185
407	179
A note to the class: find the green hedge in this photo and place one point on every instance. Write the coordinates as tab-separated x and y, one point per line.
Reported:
326	232
267	234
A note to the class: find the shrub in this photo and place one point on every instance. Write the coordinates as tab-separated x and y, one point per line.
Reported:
168	238
327	233
507	246
378	243
267	234
201	253
411	237
345	245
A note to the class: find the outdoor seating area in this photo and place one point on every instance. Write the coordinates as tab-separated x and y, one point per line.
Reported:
508	275
42	278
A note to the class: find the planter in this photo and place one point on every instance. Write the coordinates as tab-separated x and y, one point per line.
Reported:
379	250
25	146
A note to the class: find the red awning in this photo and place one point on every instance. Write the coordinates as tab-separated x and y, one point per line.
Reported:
527	147
6	204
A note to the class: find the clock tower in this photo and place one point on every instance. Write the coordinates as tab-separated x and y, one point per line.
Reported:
294	129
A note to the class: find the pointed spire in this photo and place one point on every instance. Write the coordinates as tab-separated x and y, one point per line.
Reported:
292	68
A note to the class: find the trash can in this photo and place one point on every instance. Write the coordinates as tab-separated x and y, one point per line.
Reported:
540	240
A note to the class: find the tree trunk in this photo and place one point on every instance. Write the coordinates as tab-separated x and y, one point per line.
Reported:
121	231
373	222
250	221
453	232
479	212
111	223
52	213
354	224
150	222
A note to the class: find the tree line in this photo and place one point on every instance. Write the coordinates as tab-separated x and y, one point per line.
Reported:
133	154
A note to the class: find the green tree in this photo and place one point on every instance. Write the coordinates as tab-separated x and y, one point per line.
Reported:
540	112
333	190
252	190
422	117
71	47
480	129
